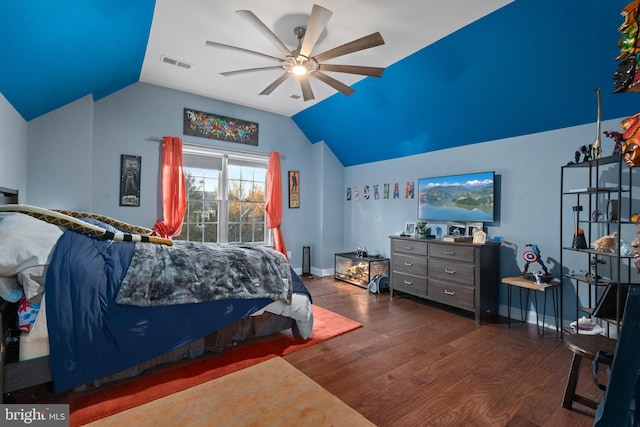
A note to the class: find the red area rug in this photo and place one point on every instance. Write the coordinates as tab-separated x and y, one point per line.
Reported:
326	325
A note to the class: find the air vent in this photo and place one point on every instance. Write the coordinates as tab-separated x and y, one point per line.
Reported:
294	96
177	63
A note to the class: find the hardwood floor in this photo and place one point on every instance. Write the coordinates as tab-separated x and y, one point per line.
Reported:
415	363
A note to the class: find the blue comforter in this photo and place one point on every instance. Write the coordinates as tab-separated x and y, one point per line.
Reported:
93	336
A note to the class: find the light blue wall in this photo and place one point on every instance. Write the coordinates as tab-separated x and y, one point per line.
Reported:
328	234
59	158
74	156
13	149
529	169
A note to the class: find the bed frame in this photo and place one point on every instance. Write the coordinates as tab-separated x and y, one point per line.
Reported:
17	375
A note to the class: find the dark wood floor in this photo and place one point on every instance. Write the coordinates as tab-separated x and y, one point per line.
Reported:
419	364
414	363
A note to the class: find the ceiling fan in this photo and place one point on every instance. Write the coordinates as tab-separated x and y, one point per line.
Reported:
299	62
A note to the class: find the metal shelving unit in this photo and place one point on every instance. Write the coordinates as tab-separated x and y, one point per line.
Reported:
600	278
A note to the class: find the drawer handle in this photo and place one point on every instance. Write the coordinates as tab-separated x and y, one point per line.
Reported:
446	270
410	248
449	253
449	292
408	264
406	282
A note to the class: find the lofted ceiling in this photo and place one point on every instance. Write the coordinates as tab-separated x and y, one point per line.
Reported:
457	72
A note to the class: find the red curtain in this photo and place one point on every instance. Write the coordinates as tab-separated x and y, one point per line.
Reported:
274	201
174	193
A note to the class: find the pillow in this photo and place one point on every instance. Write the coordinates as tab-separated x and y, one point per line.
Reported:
26	242
10	289
32	281
39	329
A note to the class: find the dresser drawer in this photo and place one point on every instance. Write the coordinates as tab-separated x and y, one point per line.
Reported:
416	265
452	294
407	283
455	271
452	252
414	247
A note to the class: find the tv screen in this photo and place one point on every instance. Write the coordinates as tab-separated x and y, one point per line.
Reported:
468	197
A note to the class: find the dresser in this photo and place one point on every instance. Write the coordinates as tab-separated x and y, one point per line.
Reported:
461	275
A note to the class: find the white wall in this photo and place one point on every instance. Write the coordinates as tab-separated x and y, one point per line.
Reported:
13	149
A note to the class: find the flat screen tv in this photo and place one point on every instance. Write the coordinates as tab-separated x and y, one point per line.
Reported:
469	197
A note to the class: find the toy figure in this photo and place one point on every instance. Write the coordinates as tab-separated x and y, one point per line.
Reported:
631	137
596	147
617	138
585	151
533	256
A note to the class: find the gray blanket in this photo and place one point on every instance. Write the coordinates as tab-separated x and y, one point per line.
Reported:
190	272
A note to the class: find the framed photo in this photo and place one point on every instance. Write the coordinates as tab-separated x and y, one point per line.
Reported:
479	237
410	228
456	229
130	180
472	227
294	189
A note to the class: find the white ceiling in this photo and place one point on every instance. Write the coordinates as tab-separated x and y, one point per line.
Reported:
180	29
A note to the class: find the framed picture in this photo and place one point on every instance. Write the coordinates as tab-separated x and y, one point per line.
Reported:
456	229
130	180
222	128
410	228
479	237
472	227
294	189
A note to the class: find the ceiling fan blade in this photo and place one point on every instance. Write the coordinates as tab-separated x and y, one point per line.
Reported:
337	85
240	49
259	25
250	70
317	22
275	84
352	69
365	42
307	93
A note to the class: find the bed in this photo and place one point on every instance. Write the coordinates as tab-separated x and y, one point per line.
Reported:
82	310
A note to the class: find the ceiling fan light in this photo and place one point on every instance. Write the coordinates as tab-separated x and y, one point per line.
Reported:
299	70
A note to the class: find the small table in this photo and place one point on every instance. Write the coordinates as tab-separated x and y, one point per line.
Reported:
529	285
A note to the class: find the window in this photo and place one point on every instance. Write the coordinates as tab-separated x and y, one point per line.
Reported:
225	196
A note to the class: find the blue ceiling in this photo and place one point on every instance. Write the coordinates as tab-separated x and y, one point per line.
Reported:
529	67
59	51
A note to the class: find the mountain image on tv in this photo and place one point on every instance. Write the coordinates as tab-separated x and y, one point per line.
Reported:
461	197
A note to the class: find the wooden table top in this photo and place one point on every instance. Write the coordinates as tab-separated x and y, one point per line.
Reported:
529	284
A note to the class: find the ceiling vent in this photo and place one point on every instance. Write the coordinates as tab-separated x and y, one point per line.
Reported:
294	96
177	63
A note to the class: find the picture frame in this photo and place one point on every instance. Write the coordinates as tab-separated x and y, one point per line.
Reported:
473	227
456	229
410	228
130	167
479	237
221	128
294	189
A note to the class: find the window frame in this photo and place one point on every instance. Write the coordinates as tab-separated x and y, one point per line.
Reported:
227	157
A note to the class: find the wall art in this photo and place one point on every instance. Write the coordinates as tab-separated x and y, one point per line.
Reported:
294	189
213	126
130	180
